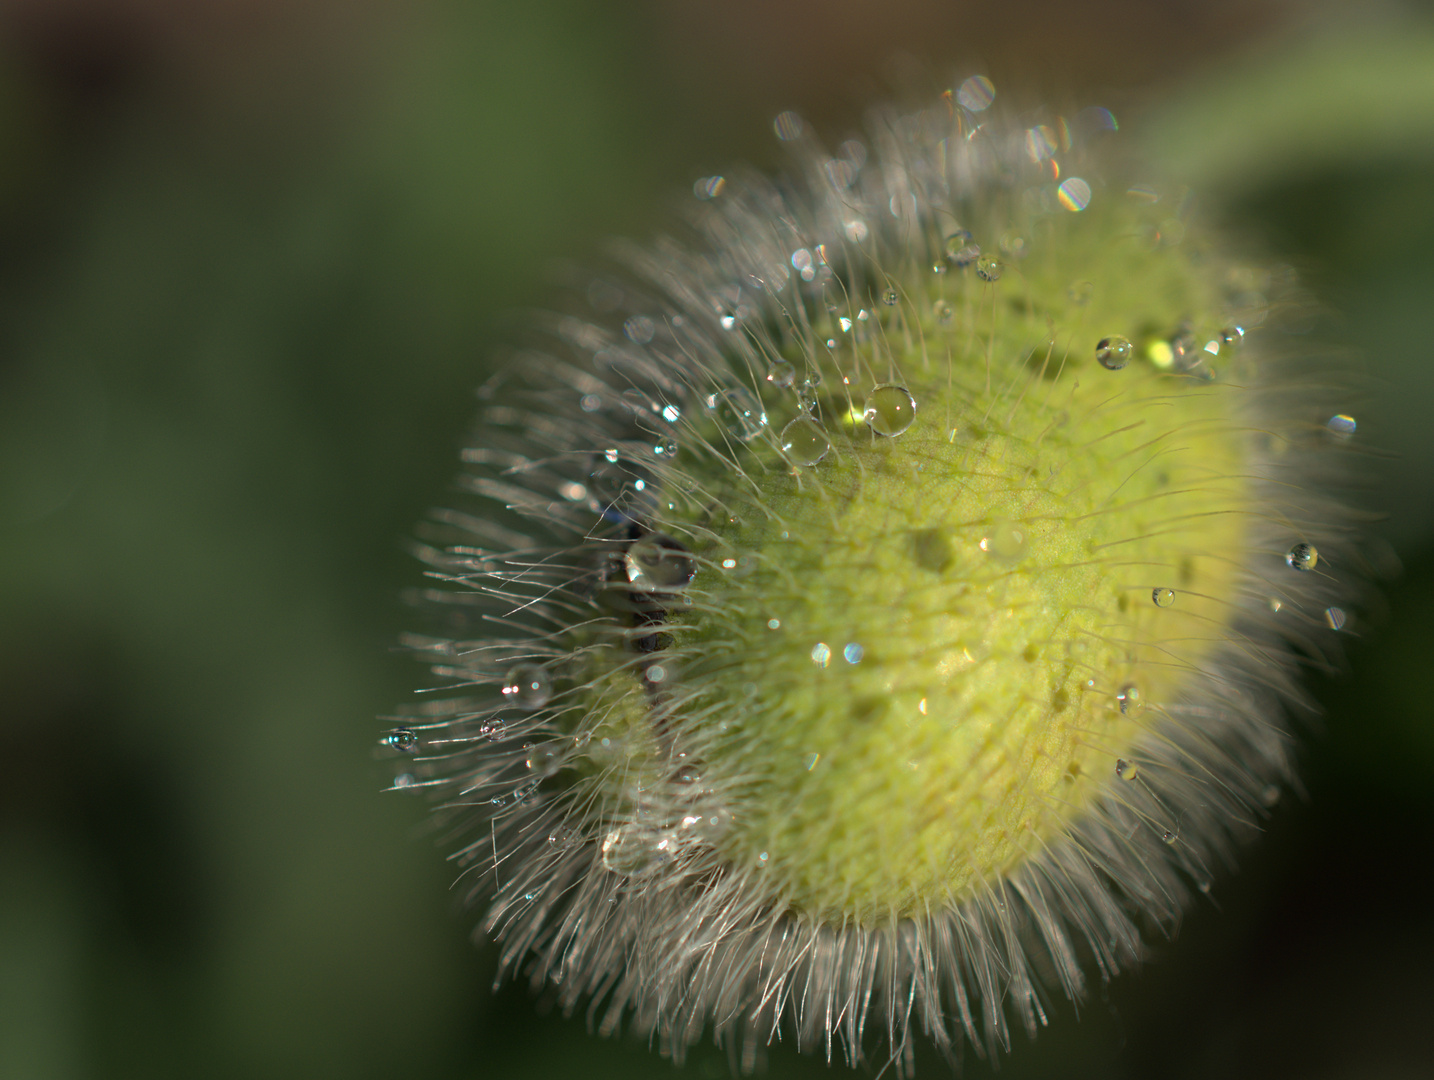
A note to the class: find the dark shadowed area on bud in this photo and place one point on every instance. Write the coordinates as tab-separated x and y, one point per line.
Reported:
882	605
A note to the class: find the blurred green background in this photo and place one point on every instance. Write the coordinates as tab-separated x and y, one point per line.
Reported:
255	254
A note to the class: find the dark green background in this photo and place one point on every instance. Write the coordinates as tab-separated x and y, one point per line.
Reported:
250	271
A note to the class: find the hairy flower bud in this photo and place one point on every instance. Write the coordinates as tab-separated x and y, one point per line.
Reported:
885	603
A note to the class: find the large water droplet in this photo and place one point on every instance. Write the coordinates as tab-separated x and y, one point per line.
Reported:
1341	426
640	329
889	410
976	93
1126	770
1074	194
564	836
804	442
1006	541
1302	557
739	413
889	298
544	758
1114	352
637	852
1129	699
989	268
781	374
619	483
1162	597
528	687
658	563
961	248
709	825
788	126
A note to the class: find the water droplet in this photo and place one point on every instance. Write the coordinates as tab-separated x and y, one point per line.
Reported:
1114	352
609	480
528	687
976	93
656	674
788	126
1184	349
1335	618
403	780
708	825
989	268
1341	426
1302	557
1080	292
1232	335
687	776
1126	770
493	729
781	374
804	442
709	187
544	758
774	624
1162	597
665	448
889	410
821	654
658	563
590	403
636	852
1168	837
943	312
739	413
639	328
1074	194
1131	703
564	836
961	248
1040	143
402	739
728	321
1006	541
853	653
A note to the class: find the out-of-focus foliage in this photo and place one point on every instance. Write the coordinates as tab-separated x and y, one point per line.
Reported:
240	321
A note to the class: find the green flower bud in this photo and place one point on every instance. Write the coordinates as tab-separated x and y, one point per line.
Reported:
883	598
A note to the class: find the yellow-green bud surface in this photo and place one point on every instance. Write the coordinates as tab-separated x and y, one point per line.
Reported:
937	628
